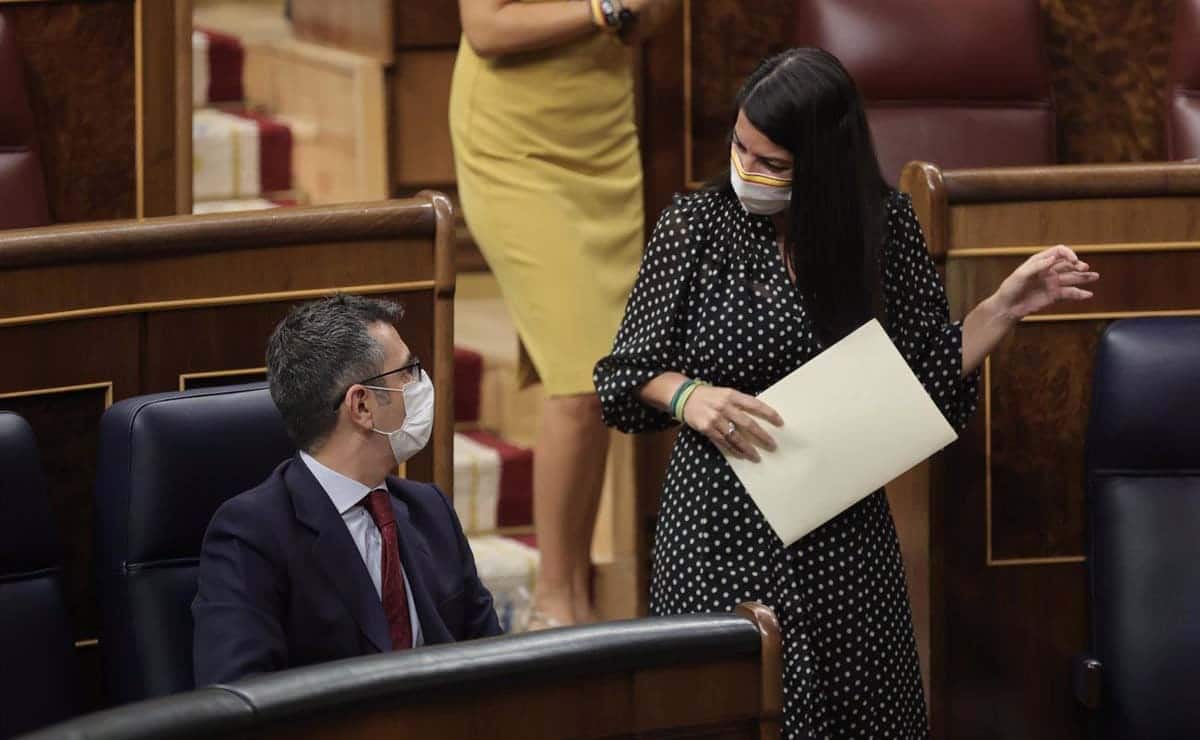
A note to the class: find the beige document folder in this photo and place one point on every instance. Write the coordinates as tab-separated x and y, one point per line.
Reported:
854	418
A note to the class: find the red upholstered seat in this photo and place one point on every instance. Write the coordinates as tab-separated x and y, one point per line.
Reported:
22	187
960	83
1183	84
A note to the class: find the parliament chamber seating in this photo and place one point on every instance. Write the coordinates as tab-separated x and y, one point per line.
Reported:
690	676
37	664
1143	502
166	463
959	83
93	314
22	185
1183	86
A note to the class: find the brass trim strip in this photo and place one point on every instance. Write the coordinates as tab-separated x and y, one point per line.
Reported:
688	136
1107	316
1114	248
107	385
248	298
184	377
992	562
89	643
1011	562
139	109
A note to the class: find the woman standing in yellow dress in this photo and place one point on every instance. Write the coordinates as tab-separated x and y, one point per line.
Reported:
550	179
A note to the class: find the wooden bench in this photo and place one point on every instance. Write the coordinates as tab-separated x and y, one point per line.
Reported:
691	676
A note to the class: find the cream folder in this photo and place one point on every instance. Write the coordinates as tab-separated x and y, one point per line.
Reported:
854	418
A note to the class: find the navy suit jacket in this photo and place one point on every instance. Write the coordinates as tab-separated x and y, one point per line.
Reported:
281	583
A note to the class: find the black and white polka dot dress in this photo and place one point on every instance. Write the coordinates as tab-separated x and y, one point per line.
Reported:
713	301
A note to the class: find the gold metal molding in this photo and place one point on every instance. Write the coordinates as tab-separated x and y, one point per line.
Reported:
185	377
1112	248
993	562
230	300
106	385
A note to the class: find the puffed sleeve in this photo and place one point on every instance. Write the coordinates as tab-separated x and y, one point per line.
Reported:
650	339
918	316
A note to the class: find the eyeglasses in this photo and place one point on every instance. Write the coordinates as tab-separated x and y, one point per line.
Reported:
411	373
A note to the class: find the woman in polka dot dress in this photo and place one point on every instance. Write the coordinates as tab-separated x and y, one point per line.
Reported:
741	284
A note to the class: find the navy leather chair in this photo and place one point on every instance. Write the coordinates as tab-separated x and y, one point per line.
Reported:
37	661
166	463
1143	498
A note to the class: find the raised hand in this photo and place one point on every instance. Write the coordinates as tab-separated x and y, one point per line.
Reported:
1048	277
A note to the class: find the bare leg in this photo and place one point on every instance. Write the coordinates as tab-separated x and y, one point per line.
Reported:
568	473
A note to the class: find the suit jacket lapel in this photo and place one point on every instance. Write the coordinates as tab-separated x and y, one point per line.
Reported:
336	554
417	561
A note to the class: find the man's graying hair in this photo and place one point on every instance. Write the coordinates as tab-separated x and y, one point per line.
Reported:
318	351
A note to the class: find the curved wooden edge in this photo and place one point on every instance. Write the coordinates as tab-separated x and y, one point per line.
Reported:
772	667
1072	182
443	332
218	232
925	185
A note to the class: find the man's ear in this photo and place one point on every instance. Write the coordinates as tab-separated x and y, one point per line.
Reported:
360	412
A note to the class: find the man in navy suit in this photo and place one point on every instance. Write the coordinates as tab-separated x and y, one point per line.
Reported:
331	557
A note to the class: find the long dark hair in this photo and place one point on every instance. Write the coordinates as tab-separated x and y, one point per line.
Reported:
806	102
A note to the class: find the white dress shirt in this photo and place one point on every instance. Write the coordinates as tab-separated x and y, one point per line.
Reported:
347	495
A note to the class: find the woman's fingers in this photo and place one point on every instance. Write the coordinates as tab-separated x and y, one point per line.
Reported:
1078	278
752	405
748	428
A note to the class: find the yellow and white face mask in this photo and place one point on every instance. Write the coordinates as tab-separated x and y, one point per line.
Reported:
759	194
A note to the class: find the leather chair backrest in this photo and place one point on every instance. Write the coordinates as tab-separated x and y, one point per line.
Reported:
166	463
37	660
22	187
1183	75
1143	498
960	83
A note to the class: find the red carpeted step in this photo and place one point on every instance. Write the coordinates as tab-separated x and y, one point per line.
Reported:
217	63
515	506
239	155
468	385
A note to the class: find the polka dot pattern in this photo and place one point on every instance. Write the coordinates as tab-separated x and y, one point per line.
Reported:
713	301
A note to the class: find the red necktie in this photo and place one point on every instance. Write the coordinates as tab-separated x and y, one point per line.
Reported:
395	600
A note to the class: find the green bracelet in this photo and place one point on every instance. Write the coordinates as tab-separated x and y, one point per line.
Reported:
683	399
674	404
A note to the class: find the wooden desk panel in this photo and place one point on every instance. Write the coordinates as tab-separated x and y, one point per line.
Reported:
1009	600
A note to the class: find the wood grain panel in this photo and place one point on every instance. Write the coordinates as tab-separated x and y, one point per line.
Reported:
1092	221
67	425
334	101
364	26
427	23
745	32
1135	281
420	98
79	63
165	106
717	692
244	273
1040	390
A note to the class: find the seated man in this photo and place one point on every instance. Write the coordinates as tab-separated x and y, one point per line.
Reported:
330	557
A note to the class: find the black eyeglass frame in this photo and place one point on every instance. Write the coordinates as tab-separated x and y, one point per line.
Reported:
416	363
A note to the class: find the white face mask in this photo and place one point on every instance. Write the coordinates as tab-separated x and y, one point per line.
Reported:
761	195
413	434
